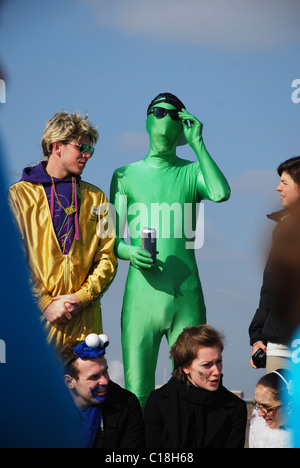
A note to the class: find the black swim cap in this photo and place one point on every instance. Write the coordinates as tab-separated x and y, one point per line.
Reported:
168	98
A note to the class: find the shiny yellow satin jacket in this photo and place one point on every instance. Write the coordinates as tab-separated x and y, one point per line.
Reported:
87	270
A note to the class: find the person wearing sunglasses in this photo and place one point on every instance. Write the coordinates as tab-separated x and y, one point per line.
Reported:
162	191
272	402
71	264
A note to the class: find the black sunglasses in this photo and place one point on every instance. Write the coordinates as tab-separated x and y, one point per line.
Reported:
160	113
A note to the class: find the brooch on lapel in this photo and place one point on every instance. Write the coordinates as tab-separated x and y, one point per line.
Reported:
95	213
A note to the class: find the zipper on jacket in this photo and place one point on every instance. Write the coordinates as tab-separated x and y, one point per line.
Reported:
67	274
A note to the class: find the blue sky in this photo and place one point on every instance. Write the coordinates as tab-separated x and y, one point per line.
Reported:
231	62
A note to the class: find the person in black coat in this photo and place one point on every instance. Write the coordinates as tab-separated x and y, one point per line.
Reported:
122	420
111	416
277	316
194	410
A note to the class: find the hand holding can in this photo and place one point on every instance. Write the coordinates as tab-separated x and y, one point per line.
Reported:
149	241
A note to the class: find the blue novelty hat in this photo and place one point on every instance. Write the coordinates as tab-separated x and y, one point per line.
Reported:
93	346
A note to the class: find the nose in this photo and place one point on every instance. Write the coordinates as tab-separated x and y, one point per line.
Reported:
261	413
104	379
86	154
279	188
217	369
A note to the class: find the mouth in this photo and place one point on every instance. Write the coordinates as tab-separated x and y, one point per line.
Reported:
100	391
268	421
214	382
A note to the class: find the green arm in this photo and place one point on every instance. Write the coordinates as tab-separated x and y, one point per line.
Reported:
212	184
138	257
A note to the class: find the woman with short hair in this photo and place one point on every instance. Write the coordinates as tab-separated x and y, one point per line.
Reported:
194	409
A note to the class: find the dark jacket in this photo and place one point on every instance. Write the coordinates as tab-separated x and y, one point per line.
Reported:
180	416
265	325
278	312
122	420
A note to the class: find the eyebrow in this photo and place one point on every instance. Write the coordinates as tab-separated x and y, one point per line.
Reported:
210	362
263	404
97	373
267	403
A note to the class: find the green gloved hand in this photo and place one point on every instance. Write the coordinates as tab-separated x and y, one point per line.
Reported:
140	258
192	127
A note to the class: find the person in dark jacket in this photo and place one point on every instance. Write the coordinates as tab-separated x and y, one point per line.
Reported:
111	416
277	316
194	409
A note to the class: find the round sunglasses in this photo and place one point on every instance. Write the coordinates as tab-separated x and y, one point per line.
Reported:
160	113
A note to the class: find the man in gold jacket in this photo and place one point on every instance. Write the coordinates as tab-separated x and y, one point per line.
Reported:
71	259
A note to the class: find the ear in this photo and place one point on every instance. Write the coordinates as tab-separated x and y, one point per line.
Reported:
186	370
69	381
147	124
181	137
56	147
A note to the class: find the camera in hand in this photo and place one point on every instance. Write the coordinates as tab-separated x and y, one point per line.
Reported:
259	358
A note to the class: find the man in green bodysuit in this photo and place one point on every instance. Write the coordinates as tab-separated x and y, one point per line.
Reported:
162	191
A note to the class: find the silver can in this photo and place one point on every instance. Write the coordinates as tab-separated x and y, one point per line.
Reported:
149	241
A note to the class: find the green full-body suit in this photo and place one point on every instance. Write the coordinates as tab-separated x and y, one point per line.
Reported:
162	191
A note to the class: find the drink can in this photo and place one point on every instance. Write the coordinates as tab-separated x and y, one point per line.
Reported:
149	241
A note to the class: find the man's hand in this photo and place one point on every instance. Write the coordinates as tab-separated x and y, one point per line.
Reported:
192	127
63	308
140	258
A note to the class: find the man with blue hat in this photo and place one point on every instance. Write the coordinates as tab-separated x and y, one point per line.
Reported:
111	416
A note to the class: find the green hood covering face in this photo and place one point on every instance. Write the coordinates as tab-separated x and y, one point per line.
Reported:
162	100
